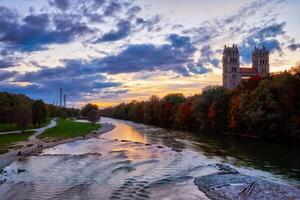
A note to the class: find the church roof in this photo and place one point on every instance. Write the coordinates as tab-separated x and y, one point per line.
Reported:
248	70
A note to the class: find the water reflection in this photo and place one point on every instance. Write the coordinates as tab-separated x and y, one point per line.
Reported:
278	159
135	161
124	131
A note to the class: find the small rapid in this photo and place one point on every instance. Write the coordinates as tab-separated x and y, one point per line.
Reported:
133	161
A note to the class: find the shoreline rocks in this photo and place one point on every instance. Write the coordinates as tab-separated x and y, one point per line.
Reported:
37	148
230	184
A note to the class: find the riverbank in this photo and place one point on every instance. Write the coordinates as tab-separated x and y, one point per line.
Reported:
228	183
37	146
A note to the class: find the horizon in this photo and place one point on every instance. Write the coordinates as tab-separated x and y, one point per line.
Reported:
107	51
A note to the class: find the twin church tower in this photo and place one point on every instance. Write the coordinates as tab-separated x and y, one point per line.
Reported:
233	73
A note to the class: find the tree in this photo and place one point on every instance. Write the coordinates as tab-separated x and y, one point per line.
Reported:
23	116
87	108
63	114
267	107
93	116
39	112
53	110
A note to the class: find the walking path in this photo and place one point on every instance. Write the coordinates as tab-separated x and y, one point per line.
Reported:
37	131
41	130
35	146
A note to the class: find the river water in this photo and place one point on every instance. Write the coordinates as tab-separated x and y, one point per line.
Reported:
136	161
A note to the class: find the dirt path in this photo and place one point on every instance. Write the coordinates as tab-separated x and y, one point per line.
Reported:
35	146
37	130
41	130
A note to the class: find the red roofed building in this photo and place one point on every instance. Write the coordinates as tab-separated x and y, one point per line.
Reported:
233	73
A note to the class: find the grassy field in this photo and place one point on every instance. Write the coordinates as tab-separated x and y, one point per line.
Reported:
8	141
68	129
13	127
8	127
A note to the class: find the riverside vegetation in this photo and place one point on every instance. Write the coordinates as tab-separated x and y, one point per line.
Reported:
18	113
268	108
68	129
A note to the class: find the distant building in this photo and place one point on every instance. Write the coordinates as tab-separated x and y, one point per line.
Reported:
233	73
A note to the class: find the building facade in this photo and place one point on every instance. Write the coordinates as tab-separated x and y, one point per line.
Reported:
233	73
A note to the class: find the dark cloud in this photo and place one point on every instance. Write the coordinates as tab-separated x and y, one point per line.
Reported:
131	12
35	31
69	28
99	2
5	63
294	47
74	87
168	57
72	69
207	57
4	75
265	36
151	24
175	56
61	4
42	20
122	31
112	8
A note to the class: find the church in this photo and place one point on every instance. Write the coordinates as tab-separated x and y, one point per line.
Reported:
233	73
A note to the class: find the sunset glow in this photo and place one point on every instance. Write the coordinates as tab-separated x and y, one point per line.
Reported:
109	52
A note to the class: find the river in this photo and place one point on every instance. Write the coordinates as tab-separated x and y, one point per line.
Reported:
136	161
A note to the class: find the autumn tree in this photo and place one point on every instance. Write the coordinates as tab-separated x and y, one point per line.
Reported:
23	117
93	116
39	112
88	108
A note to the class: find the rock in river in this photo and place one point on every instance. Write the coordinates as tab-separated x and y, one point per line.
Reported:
239	186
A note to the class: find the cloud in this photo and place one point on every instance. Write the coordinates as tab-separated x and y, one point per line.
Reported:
123	30
33	32
4	75
131	12
112	8
294	47
41	19
4	63
151	24
74	87
176	56
207	57
61	4
173	56
71	69
265	36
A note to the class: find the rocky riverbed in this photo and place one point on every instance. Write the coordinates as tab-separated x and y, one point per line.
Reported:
230	184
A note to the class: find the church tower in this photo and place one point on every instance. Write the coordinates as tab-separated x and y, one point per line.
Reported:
231	67
260	61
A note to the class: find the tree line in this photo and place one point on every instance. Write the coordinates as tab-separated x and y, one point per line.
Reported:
24	112
268	108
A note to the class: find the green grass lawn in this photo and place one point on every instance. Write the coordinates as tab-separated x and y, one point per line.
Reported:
68	129
8	141
13	127
8	127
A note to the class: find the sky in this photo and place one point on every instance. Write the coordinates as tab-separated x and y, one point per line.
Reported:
112	51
